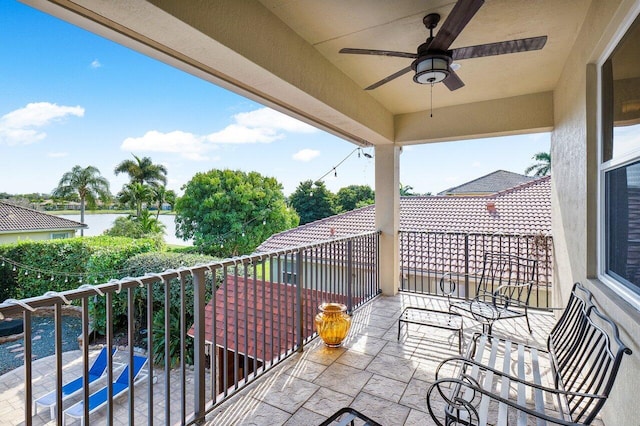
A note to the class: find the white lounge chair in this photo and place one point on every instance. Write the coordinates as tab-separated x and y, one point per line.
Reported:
99	398
96	371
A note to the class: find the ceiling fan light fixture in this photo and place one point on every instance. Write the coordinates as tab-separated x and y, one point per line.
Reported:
431	69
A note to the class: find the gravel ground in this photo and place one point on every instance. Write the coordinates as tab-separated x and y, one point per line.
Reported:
43	339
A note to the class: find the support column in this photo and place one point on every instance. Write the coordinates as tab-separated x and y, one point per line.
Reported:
388	215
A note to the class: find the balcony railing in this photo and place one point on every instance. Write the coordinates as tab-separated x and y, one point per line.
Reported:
426	256
248	315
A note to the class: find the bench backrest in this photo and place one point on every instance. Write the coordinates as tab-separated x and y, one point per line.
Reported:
587	351
500	269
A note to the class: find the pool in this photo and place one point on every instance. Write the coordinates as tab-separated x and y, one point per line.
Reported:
43	341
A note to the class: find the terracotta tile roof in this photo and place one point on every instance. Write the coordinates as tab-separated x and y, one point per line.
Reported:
523	209
16	218
489	184
270	316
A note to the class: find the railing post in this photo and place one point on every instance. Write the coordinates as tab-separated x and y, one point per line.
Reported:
349	276
466	266
199	343
299	286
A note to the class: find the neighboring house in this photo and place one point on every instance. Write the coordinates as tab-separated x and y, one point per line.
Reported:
20	223
524	209
449	234
497	181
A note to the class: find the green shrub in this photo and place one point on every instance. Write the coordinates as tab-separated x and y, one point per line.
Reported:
160	262
174	339
59	265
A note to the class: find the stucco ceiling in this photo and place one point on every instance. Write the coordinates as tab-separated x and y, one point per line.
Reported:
284	53
330	25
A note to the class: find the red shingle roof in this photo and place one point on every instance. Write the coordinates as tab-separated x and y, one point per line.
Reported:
270	316
523	209
16	218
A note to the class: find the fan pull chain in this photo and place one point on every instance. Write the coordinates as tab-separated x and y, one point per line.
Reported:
431	115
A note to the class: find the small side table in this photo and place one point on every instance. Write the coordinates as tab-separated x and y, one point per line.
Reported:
346	416
432	318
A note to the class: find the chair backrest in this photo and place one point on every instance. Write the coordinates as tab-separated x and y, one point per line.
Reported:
138	363
587	352
100	364
500	269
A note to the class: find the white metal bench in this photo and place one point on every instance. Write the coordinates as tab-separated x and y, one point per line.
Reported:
503	382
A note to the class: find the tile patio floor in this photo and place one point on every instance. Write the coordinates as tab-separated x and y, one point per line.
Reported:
373	372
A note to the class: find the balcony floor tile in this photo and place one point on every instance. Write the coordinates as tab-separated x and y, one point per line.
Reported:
374	373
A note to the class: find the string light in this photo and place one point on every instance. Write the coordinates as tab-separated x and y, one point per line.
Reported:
333	169
51	275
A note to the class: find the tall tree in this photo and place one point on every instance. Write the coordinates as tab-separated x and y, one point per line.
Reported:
87	183
170	198
143	170
160	195
543	165
312	201
354	196
135	194
228	213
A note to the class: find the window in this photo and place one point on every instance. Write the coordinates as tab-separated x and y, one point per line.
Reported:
59	235
620	164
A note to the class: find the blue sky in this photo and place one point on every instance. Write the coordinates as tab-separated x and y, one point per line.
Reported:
69	97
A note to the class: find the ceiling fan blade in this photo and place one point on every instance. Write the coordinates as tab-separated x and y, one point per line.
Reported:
379	52
459	17
453	81
499	48
393	76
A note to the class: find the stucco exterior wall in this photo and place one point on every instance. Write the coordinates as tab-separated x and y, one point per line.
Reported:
32	236
574	145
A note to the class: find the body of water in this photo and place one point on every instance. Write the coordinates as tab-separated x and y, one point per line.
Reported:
98	223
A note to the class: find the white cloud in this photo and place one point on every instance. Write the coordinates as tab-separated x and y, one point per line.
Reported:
305	155
476	164
263	125
186	144
237	134
95	64
259	126
57	154
22	125
268	118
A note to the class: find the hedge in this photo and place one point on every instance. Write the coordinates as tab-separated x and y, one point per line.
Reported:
65	264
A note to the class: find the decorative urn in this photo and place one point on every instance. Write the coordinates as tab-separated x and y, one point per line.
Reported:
332	323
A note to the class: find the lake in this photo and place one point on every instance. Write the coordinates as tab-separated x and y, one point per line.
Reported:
98	223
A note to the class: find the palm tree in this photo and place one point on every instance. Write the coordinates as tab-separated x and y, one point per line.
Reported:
543	165
134	194
160	195
150	224
87	183
406	190
142	170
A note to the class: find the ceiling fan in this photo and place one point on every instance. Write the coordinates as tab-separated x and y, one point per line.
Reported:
432	62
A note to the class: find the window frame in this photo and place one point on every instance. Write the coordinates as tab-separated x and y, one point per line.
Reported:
614	163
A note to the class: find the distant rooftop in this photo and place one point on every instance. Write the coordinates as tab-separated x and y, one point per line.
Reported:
15	218
523	209
497	181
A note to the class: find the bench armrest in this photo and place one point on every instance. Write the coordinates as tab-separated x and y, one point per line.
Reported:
466	362
453	392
